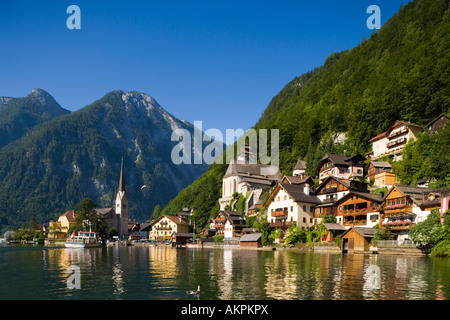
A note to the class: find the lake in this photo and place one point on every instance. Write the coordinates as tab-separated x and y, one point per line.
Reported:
164	273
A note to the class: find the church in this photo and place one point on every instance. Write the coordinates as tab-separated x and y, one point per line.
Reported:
117	217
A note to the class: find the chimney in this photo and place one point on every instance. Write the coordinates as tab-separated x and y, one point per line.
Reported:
345	153
306	188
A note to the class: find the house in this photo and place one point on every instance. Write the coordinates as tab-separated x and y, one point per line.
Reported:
58	229
300	168
393	141
359	209
405	206
291	204
251	240
341	166
181	238
229	224
376	167
437	124
67	220
331	190
332	231
357	239
246	176
165	226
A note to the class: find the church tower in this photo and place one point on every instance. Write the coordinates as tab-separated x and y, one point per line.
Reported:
122	207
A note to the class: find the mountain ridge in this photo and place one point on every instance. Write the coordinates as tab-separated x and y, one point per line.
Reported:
77	155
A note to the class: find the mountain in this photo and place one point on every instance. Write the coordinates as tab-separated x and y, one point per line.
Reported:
400	73
18	115
78	155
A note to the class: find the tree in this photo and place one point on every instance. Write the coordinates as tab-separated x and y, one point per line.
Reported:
88	218
428	233
384	234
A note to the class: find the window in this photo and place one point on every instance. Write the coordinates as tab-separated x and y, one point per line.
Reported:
285	198
304	208
292	208
304	220
359	171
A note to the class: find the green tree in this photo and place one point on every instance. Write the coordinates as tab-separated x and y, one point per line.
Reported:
428	233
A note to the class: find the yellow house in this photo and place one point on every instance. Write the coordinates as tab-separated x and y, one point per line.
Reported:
58	229
165	226
384	179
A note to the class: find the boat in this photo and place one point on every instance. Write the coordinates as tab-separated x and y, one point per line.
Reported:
84	239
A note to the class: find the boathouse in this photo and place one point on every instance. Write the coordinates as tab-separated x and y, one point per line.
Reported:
357	239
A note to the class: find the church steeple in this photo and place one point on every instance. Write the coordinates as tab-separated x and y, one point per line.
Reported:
122	178
121	206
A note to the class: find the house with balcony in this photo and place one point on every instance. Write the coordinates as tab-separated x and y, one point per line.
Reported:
291	204
359	209
331	190
341	167
405	206
229	224
165	226
393	141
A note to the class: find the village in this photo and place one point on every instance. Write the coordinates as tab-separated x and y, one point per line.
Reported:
349	202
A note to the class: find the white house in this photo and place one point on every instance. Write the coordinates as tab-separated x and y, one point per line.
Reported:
291	204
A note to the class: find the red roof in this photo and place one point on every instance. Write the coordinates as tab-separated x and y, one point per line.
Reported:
378	137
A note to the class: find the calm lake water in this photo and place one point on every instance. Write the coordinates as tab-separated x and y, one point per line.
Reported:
159	273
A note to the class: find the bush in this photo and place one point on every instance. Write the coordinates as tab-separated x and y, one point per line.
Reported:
442	249
218	238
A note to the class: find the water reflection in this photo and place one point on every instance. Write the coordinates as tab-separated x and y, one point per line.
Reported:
232	274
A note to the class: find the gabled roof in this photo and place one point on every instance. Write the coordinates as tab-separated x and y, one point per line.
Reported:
300	165
345	183
420	194
254	170
402	123
364	232
234	217
296	192
298	180
70	215
378	137
365	195
174	219
381	164
250	237
339	160
334	226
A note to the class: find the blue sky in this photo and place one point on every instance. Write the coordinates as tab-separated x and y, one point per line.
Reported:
219	62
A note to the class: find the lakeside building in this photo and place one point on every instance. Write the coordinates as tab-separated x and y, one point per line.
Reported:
393	141
291	204
359	209
405	206
165	226
229	224
331	190
58	229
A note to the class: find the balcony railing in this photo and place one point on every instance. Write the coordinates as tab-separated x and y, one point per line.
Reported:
279	213
396	142
281	224
397	133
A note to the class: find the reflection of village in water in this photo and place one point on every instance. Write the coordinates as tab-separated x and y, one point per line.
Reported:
234	274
